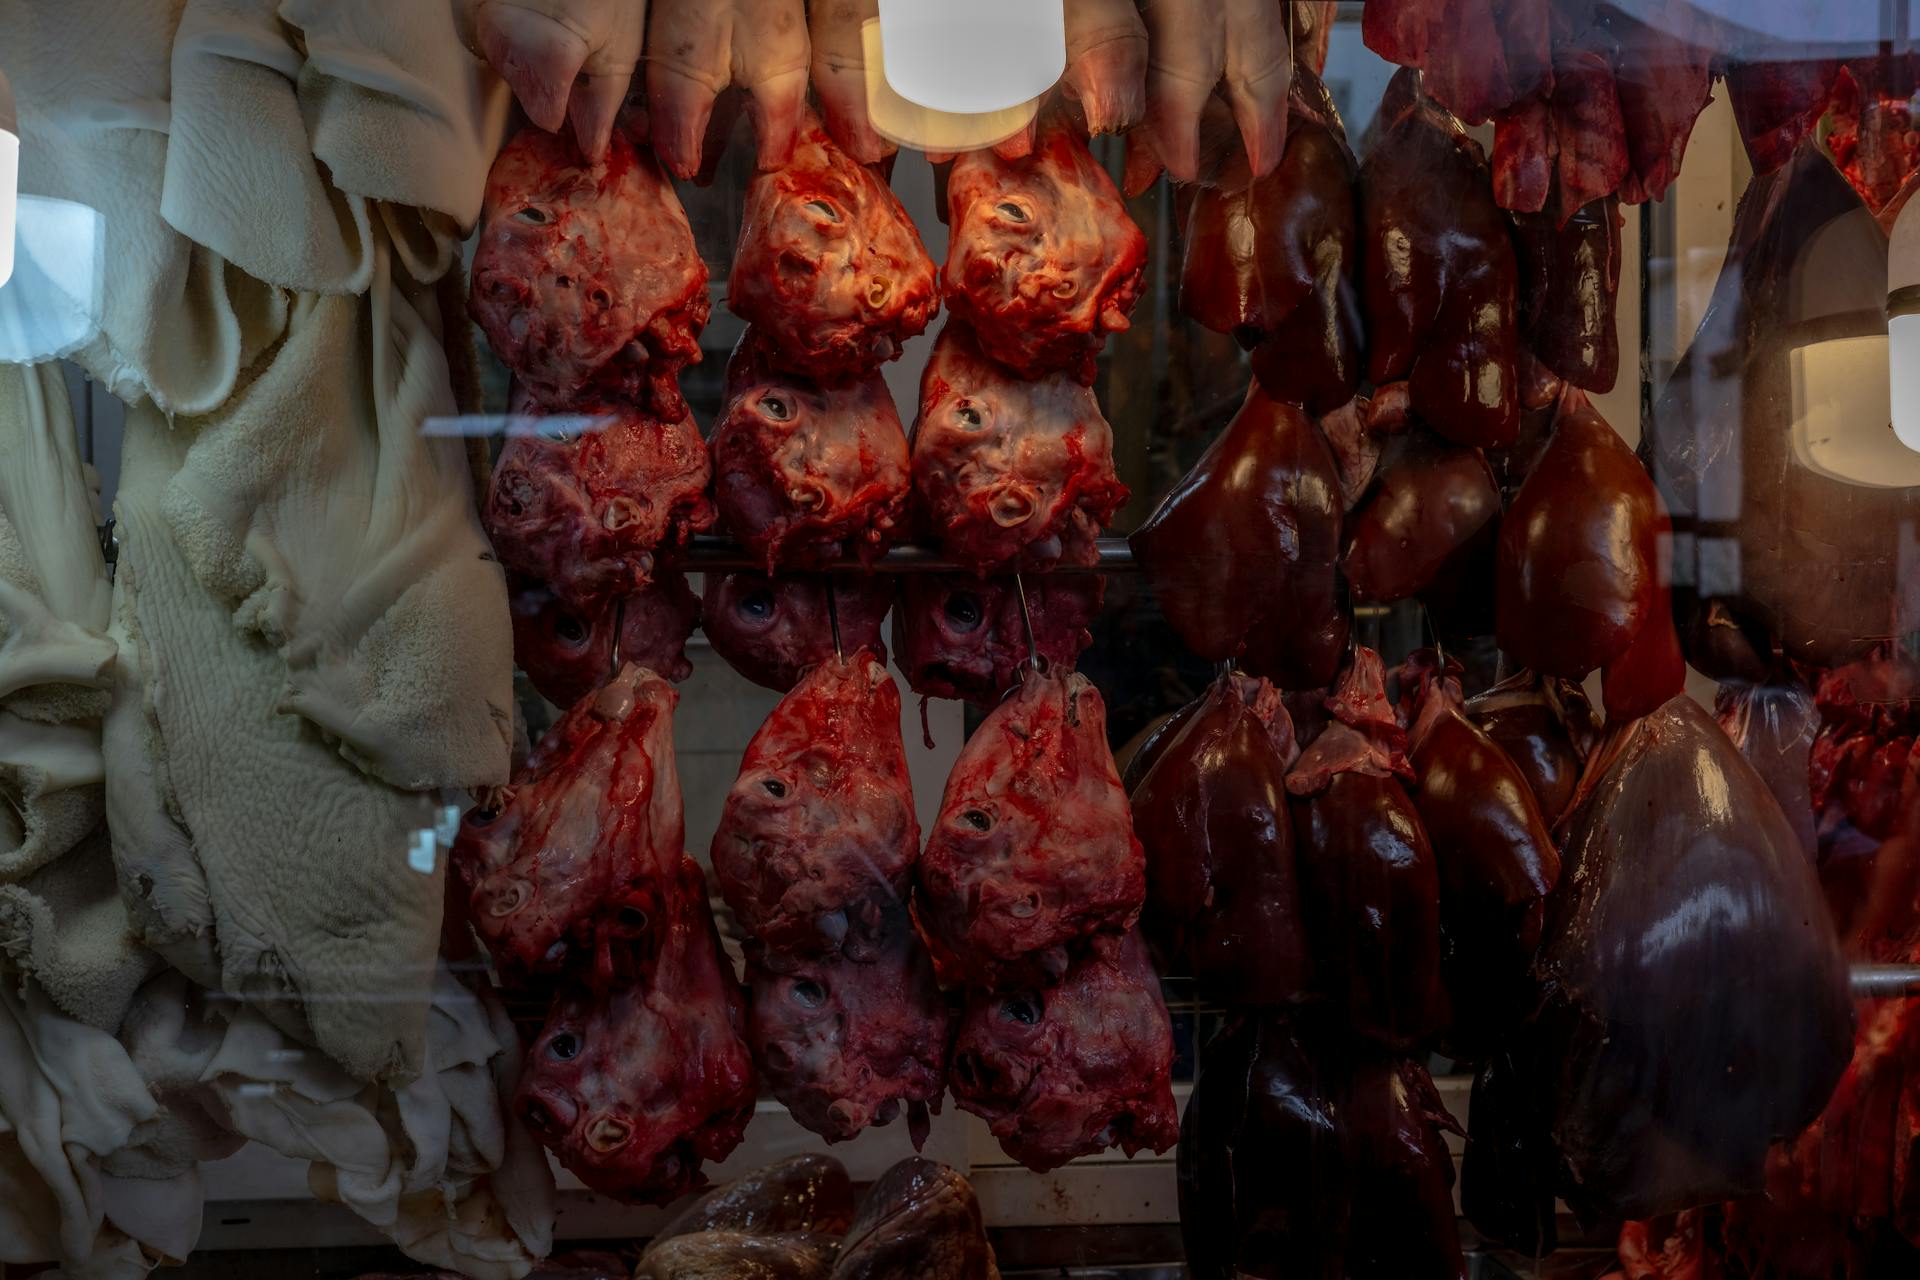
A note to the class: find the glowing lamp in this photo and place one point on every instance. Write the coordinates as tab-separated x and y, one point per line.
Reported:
9	177
958	75
1903	324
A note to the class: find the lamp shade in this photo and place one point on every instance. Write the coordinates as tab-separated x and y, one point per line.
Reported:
908	124
1903	324
9	178
972	57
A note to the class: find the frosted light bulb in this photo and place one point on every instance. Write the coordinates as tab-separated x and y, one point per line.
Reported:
973	57
9	178
1903	324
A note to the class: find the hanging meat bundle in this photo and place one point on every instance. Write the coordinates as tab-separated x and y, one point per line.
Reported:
958	636
586	278
1243	554
1071	1069
772	630
807	473
1043	261
1438	275
829	269
1007	472
567	653
1211	811
1275	263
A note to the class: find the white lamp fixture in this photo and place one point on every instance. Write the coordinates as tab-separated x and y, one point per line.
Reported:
957	75
9	177
1903	324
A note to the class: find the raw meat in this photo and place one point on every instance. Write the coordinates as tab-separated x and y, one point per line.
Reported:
1223	896
632	1087
771	630
1034	848
574	863
1547	728
1106	63
1242	555
1370	882
1508	1174
1569	279
807	473
590	505
829	268
1241	50
800	1195
697	49
586	278
1069	1070
843	1041
817	840
1275	263
1434	510
1009	472
1820	567
958	636
567	654
1042	260
566	60
918	1221
1658	1104
1438	275
726	1255
840	75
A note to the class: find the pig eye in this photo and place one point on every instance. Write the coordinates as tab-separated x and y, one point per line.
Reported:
809	994
565	1046
482	817
824	209
978	819
969	413
775	788
776	408
569	628
1011	211
757	605
1023	1009
533	215
963	612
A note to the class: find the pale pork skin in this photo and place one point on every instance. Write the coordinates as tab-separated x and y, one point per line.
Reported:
573	863
1069	1070
698	48
1010	473
771	630
1241	50
1034	847
566	60
633	1086
840	75
1107	63
829	268
1043	261
586	278
808	473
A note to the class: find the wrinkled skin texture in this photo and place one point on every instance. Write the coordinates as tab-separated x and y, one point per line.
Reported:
1546	728
808	473
1820	568
771	630
1241	50
1304	1154
1438	276
800	1195
1009	472
1242	554
919	1221
1106	63
840	76
634	1086
817	840
1042	261
698	48
1657	1104
1276	263
566	60
1434	507
568	653
579	858
734	1255
1569	282
957	636
586	278
1034	846
829	269
1370	882
1223	896
1069	1070
590	506
844	1042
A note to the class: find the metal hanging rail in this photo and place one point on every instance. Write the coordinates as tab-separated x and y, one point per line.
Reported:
723	555
1880	981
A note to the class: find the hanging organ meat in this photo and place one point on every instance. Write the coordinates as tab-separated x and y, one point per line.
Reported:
817	842
568	653
633	1086
1275	263
591	505
1547	728
1043	261
579	855
1033	849
586	278
1438	277
1432	515
771	630
1243	554
1010	473
1068	1070
698	48
808	473
829	269
1569	279
958	636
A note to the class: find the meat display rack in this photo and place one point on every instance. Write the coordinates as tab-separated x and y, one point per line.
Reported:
722	555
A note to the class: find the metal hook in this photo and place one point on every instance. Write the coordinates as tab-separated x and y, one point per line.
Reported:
833	620
1026	622
619	625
